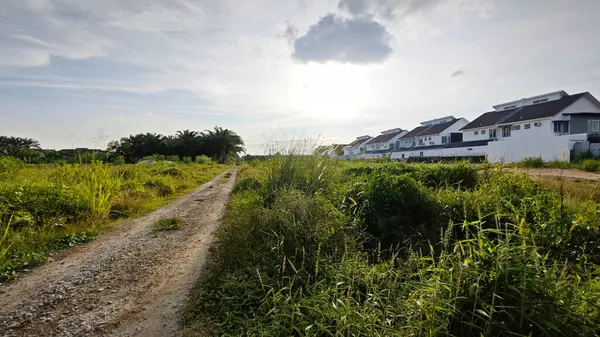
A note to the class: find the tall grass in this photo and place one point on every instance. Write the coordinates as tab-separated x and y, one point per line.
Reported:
52	207
314	247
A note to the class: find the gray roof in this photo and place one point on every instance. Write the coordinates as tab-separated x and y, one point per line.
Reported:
434	129
385	138
524	113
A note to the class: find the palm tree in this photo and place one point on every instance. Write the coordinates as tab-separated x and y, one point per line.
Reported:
16	146
188	143
222	144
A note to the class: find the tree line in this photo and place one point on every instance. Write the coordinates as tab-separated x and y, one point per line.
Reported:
219	144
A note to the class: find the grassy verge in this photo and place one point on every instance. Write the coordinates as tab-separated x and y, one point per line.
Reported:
312	247
44	208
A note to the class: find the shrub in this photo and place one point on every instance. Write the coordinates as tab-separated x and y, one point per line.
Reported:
249	184
162	184
395	210
172	171
187	160
458	175
203	159
532	162
168	224
9	165
558	164
42	204
120	160
590	165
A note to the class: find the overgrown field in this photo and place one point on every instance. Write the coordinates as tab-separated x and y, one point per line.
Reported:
312	247
49	207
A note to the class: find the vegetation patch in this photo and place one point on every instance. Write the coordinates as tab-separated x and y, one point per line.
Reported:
48	207
315	247
168	224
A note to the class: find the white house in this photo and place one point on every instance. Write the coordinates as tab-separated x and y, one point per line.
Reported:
384	144
357	148
428	139
549	126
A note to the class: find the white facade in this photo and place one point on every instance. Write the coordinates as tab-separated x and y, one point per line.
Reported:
358	150
548	137
387	145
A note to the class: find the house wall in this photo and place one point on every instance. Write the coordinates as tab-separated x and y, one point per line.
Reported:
529	144
469	135
579	123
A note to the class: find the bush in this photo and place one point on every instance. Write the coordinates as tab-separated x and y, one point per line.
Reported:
163	185
249	184
590	165
532	162
41	204
558	164
9	165
168	224
203	160
395	210
187	160
172	171
120	160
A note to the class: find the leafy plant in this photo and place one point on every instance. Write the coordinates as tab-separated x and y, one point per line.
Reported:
532	162
168	224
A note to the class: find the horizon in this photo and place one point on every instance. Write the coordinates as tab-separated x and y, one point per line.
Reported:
73	75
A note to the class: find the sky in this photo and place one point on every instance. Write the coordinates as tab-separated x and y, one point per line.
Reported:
82	73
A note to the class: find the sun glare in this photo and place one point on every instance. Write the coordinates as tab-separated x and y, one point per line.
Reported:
329	91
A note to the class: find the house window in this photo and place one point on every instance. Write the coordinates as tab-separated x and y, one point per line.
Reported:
403	156
594	126
361	149
561	127
421	153
429	138
516	127
475	132
506	131
483	132
445	139
492	133
421	142
527	126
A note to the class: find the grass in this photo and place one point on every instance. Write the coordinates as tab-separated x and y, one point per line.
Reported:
168	224
44	208
315	247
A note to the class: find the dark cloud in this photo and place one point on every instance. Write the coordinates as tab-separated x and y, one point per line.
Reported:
389	9
333	38
457	73
290	33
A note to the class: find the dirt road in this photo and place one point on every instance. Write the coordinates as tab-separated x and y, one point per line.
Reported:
569	174
132	281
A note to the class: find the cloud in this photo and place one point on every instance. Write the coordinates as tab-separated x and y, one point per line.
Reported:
457	73
355	7
338	39
388	9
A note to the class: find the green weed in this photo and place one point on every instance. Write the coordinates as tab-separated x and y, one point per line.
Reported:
168	224
314	247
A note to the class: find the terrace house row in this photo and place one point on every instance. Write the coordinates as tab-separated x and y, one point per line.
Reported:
554	126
